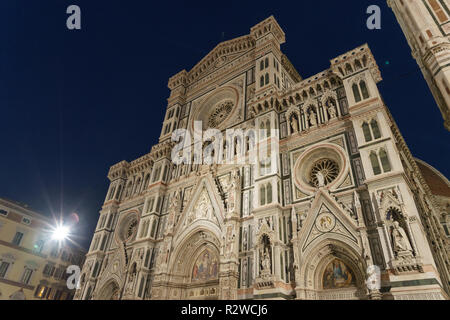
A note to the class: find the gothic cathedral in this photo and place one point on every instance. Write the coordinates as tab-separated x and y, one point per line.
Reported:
340	210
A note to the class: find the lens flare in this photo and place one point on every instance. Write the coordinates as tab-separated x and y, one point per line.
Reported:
60	233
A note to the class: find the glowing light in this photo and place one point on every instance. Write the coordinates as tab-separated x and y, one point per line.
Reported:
60	233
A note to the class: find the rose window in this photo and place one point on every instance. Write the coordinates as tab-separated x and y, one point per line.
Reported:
329	170
131	229
219	115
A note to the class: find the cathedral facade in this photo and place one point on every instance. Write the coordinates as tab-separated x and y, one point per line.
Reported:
337	208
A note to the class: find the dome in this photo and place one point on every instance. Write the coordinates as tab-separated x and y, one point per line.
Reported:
438	183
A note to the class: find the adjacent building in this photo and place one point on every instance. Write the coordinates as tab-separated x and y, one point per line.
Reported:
338	209
426	25
32	265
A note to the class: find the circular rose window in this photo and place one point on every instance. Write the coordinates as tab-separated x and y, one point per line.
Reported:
217	110
220	114
131	229
324	171
322	165
127	228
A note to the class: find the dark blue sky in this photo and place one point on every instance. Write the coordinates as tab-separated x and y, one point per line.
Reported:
73	103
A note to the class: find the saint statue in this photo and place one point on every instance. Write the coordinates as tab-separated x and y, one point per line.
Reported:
320	179
244	272
312	118
245	240
400	239
294	125
266	262
232	187
331	111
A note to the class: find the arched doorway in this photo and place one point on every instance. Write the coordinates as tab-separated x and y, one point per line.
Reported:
110	291
195	267
333	270
336	280
204	279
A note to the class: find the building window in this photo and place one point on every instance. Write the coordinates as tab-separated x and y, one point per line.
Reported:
366	131
356	93
262	195
267	78
372	131
40	291
375	129
26	221
153	228
376	159
38	246
267	63
48	270
26	277
384	161
261	81
54	252
17	238
111	193
265	194
261	65
375	163
364	90
4	268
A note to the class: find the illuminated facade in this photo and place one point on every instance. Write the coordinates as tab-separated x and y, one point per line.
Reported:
32	266
341	195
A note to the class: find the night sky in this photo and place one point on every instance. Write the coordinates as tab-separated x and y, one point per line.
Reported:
73	103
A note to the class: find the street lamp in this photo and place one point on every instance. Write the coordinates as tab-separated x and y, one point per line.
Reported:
60	233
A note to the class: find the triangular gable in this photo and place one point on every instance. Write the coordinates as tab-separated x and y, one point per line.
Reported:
204	204
224	52
327	219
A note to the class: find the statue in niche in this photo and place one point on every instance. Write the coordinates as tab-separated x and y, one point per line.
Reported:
400	239
232	188
265	262
320	179
244	244
331	107
131	278
244	272
294	124
332	112
312	118
265	256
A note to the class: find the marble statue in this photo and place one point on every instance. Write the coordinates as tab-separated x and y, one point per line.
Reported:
400	239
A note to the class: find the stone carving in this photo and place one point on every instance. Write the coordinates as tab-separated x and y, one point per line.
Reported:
294	124
244	242
173	210
312	118
265	263
400	239
320	179
232	189
244	272
332	111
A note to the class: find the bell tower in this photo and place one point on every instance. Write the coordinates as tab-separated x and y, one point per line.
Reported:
426	26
